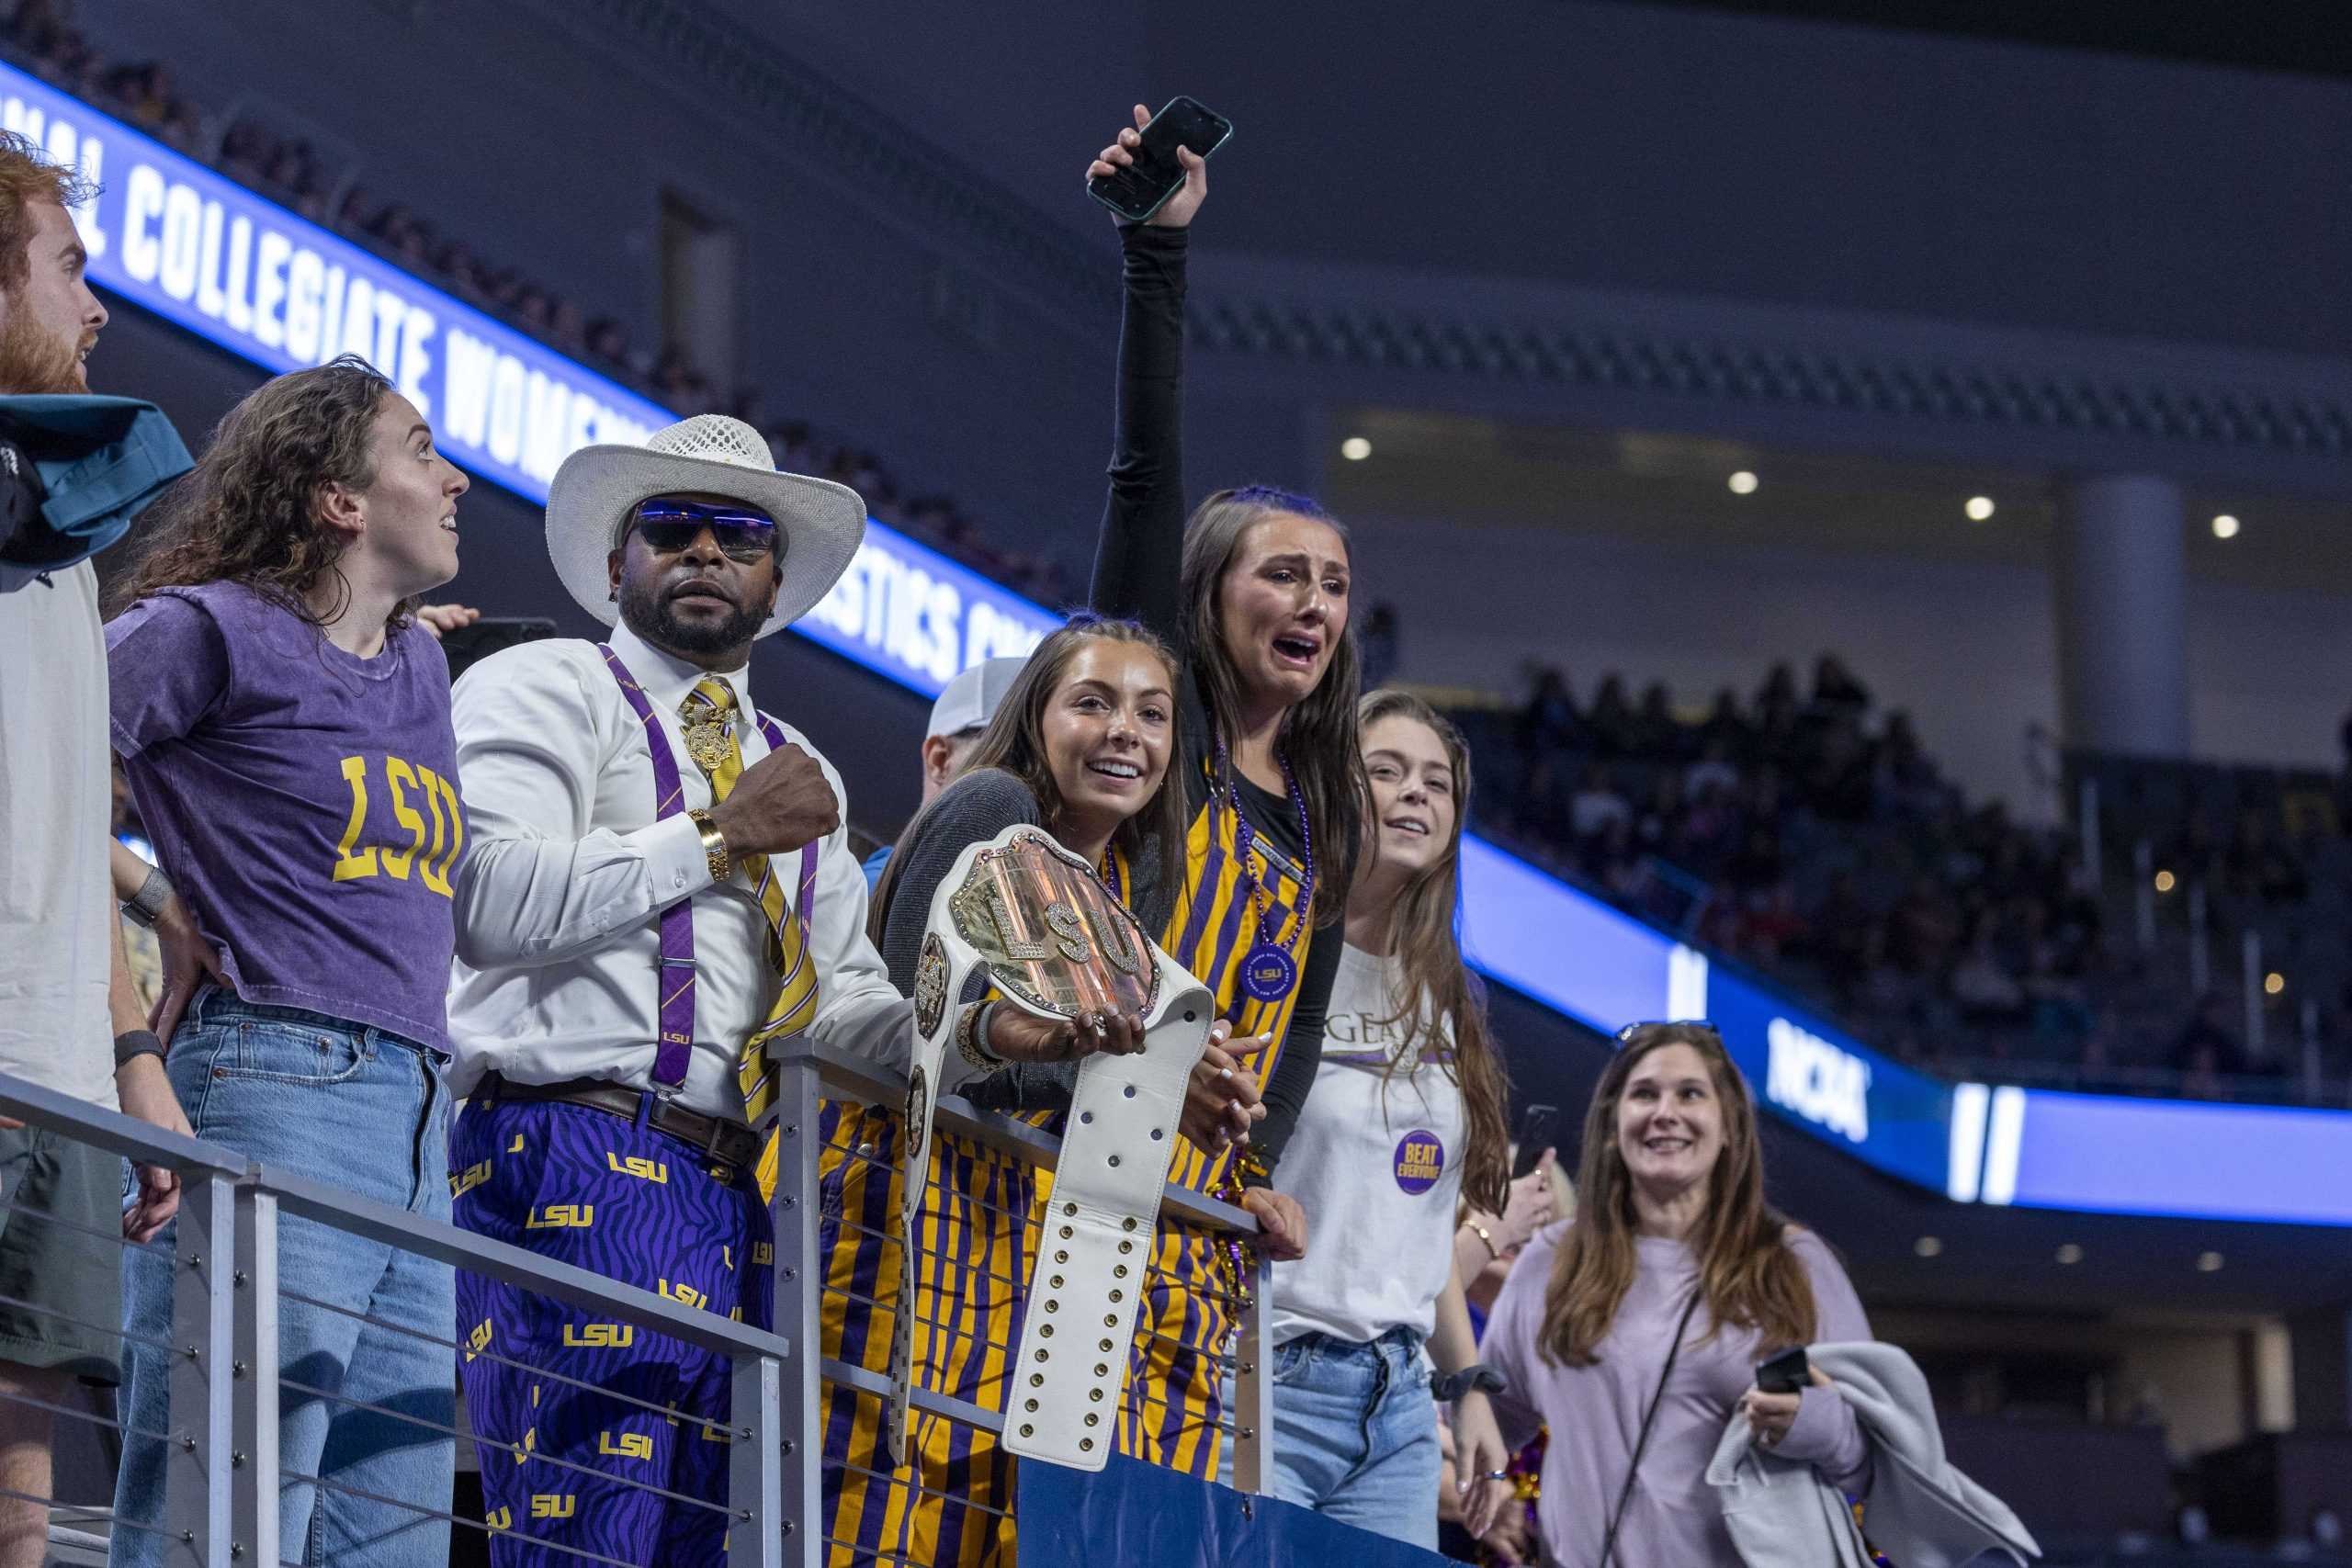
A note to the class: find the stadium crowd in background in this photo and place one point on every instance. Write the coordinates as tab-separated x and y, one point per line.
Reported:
1809	835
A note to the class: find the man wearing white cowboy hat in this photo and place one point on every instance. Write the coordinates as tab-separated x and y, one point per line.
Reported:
657	885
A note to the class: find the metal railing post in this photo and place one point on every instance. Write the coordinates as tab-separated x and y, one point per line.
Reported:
196	1476
1253	1388
799	1289
254	1481
760	1534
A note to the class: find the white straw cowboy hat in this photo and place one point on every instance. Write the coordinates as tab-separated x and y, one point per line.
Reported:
598	488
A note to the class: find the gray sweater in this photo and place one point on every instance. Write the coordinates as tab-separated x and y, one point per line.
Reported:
978	807
1921	1511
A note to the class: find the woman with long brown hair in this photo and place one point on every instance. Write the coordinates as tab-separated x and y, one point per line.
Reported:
1254	592
1407	1115
284	722
1085	745
1634	1334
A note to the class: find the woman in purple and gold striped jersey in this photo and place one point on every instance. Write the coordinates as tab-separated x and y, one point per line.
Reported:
1254	592
1086	746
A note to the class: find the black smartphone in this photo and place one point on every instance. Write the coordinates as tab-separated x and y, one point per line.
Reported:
1787	1372
1140	189
469	645
1537	1126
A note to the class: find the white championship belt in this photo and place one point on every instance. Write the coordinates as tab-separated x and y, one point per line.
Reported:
1056	944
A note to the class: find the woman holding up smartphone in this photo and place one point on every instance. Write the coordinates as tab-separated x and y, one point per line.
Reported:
1407	1114
1634	1333
1252	591
1086	746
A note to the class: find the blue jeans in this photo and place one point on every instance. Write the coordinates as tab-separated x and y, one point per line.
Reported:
365	1109
1355	1433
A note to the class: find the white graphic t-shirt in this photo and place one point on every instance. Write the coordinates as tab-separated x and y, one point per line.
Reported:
1376	1162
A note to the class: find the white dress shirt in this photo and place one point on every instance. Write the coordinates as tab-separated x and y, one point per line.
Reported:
561	888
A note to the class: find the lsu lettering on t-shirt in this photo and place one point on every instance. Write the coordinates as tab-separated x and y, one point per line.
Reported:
1376	1162
303	800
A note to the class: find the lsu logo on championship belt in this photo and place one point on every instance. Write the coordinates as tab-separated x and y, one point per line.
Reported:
1052	936
1053	940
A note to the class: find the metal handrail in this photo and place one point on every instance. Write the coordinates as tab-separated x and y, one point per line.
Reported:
139	1142
846	1077
225	1314
511	1265
807	1070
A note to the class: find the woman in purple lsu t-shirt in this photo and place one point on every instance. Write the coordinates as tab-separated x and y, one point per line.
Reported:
285	725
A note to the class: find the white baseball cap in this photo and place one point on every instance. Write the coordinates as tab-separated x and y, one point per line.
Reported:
971	699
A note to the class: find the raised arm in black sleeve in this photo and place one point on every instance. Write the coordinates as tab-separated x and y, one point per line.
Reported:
1142	543
1302	1052
974	808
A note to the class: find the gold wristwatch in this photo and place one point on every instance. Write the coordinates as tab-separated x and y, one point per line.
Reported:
969	1044
714	843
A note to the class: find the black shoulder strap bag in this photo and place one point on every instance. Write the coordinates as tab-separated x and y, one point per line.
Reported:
1649	1416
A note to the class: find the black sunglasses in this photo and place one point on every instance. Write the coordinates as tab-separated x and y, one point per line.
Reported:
671	524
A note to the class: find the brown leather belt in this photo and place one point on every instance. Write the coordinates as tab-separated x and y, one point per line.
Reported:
730	1142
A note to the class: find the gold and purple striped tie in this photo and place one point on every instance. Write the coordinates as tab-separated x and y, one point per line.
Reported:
709	709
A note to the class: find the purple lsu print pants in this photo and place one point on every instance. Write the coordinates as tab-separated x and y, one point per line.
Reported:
603	1193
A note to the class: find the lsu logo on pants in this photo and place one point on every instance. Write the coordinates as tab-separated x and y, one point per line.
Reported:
498	1519
762	1254
466	1180
553	1505
682	1292
630	1445
600	1336
561	1216
479	1340
638	1165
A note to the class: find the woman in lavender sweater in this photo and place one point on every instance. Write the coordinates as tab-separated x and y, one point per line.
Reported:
1672	1244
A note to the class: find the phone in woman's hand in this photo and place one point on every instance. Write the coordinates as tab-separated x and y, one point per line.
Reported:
1787	1372
1536	1128
1140	189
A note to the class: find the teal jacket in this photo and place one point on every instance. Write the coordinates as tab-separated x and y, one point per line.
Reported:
101	460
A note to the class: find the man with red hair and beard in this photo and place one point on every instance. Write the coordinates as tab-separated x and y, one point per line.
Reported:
74	468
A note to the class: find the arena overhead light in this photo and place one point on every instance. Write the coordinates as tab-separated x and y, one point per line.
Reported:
2165	882
2209	1263
1742	483
2225	526
2070	1253
1355	449
2274	983
1979	508
1929	1246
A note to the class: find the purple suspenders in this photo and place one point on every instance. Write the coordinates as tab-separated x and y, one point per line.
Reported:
675	1043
